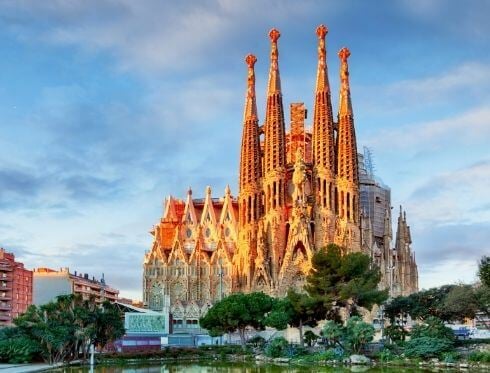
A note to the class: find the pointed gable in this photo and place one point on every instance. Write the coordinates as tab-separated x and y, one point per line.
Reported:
170	211
189	216
208	215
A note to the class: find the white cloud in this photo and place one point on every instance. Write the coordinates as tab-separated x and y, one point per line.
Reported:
468	128
152	35
453	197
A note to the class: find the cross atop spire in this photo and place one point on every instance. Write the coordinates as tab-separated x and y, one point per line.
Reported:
274	85
345	105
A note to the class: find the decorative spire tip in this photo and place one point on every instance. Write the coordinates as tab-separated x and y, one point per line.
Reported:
321	31
250	60
274	34
344	54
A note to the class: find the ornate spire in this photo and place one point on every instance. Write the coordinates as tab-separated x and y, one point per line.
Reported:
321	75
250	161
345	105
274	85
346	139
275	149
323	135
250	112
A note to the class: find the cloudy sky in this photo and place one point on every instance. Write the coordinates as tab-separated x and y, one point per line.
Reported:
108	106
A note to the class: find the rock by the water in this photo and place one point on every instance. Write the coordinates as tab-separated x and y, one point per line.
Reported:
359	360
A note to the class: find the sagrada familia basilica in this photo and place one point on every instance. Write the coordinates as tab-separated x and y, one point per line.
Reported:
299	190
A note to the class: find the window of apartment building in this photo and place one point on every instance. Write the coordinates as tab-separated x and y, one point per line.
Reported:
178	323
192	323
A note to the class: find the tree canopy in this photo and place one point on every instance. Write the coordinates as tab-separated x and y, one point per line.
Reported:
348	281
296	310
236	312
60	330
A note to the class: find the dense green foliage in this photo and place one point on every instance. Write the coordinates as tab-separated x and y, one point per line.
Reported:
310	338
15	347
428	339
357	334
451	303
236	312
354	336
296	310
62	330
479	356
396	333
348	281
332	332
484	271
427	347
432	327
277	347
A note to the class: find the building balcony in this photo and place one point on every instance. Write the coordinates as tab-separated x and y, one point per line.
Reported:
5	317
5	307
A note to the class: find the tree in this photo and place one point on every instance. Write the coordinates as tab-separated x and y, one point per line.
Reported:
421	305
297	310
357	333
348	281
484	270
432	327
108	325
396	333
353	336
64	328
430	339
332	332
310	337
236	312
461	303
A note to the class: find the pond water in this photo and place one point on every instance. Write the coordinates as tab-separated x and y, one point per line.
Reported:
221	367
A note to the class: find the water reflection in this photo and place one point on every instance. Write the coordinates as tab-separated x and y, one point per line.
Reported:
230	368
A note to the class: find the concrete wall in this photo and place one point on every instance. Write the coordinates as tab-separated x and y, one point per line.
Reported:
47	288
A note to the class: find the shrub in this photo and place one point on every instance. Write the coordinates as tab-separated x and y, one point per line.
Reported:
450	357
256	341
19	349
479	357
358	333
332	354
386	355
427	347
277	347
434	328
396	333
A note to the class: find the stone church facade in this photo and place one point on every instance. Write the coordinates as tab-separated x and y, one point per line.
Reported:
298	192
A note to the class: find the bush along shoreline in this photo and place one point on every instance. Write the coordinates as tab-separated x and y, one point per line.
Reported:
279	351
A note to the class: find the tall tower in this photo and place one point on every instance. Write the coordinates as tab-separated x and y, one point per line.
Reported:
347	231
323	150
250	193
274	180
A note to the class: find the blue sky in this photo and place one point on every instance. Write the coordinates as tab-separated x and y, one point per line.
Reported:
106	107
